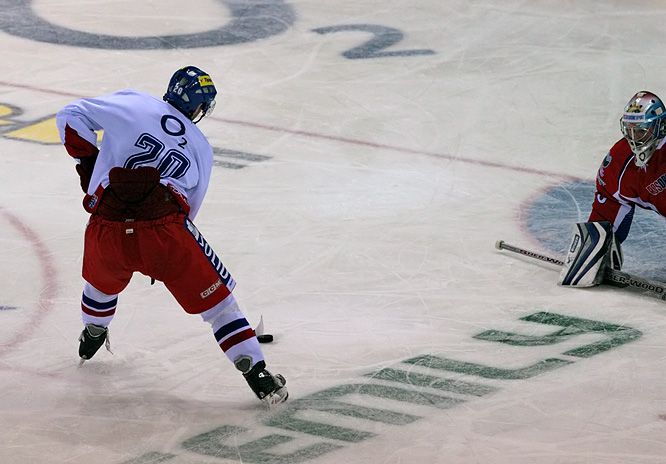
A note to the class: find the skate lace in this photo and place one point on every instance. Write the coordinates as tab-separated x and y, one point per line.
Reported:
107	342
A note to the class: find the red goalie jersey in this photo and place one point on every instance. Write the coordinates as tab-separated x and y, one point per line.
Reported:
622	185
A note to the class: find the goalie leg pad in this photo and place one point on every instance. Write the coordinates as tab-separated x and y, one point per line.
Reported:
588	254
615	254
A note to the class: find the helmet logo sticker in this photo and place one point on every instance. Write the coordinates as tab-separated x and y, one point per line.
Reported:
205	81
634	108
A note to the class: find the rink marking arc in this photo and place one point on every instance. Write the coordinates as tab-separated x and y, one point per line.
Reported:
49	288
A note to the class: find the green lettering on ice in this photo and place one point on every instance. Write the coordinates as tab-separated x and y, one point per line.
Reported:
329	401
439	383
419	381
256	451
614	335
488	372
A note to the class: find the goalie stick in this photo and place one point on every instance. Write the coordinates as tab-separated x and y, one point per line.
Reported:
611	277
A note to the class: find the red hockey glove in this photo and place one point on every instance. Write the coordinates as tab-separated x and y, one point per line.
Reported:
77	146
85	169
136	194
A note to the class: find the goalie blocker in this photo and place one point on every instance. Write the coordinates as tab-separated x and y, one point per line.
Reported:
593	248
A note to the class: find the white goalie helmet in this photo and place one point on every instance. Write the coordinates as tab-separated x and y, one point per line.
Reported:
643	125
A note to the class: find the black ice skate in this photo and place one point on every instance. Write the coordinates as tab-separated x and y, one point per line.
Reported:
92	338
269	388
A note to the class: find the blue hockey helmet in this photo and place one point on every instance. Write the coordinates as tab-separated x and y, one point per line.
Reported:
643	125
192	92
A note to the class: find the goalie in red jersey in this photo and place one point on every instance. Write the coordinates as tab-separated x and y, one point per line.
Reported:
633	173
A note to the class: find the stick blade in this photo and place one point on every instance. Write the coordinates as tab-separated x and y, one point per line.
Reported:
260	327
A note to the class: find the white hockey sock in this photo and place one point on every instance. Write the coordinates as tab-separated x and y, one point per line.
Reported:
97	307
232	331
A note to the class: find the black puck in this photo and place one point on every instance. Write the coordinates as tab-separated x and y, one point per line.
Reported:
265	338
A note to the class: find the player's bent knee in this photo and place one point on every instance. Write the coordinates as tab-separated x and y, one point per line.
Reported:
228	305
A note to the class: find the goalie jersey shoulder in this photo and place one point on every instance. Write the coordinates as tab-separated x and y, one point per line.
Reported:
620	179
613	167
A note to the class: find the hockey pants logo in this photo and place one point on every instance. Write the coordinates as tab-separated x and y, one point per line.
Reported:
225	275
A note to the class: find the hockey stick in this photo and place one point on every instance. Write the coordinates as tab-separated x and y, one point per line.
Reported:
502	245
611	277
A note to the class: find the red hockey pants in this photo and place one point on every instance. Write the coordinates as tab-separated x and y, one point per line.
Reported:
169	249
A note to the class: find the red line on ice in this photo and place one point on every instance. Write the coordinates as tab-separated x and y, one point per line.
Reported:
364	143
315	135
49	288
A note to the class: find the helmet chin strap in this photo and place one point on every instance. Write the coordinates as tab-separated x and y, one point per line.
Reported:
643	157
198	112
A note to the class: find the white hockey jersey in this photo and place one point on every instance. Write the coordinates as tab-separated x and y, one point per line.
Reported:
140	130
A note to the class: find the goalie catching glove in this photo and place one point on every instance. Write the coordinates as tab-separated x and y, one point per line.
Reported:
593	248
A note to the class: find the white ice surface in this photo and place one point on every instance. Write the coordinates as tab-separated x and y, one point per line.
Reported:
366	239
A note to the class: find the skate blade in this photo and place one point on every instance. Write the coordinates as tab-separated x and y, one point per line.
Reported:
279	396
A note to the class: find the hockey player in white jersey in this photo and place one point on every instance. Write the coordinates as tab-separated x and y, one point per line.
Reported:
143	188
